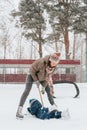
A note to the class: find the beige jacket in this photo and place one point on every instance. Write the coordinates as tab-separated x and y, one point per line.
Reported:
38	69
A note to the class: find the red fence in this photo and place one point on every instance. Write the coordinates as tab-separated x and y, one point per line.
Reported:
21	78
68	77
14	61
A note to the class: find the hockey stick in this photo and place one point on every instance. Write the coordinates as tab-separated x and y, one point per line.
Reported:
40	95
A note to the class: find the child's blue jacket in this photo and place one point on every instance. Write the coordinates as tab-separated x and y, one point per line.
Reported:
42	112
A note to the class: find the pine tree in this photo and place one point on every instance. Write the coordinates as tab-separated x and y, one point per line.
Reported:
63	15
32	21
80	22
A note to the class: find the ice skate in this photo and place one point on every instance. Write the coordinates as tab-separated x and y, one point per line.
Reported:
19	114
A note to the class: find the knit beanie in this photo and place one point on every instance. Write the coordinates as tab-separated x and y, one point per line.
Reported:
55	57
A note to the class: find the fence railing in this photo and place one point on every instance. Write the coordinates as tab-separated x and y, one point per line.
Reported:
20	76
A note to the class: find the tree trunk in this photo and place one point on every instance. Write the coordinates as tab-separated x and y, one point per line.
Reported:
5	47
66	41
56	45
86	56
40	44
74	46
40	49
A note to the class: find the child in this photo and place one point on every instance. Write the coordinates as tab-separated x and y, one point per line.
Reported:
40	112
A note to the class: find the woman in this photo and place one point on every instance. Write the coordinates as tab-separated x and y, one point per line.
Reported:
40	73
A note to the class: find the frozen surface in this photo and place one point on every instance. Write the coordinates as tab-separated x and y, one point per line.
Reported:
10	96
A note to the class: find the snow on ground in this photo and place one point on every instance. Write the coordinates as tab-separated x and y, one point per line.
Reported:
10	96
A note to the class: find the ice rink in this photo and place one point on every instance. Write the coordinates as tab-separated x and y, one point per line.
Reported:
9	98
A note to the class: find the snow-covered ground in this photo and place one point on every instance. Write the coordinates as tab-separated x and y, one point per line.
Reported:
10	96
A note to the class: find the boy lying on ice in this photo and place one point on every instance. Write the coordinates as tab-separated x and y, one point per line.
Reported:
40	112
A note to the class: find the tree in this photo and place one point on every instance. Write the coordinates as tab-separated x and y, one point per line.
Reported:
80	24
32	21
62	14
4	38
